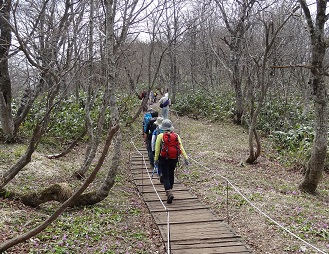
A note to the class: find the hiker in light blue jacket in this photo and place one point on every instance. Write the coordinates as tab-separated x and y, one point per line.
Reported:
165	100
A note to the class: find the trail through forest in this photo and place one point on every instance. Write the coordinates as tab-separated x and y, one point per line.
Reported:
122	224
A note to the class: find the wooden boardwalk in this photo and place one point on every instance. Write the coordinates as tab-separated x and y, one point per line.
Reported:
193	227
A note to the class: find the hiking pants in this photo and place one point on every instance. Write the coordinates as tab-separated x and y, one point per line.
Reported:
168	169
165	112
149	152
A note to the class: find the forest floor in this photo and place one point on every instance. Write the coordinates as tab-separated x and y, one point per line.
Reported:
122	224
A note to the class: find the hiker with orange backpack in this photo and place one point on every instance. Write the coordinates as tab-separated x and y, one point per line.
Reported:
155	134
168	147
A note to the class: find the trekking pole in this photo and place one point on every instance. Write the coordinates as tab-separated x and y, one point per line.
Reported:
155	169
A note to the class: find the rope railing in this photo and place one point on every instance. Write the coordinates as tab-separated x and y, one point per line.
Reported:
228	182
156	192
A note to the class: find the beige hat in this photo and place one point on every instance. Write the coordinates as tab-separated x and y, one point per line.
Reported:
159	120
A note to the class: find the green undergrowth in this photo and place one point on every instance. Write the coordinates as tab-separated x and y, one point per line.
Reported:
101	228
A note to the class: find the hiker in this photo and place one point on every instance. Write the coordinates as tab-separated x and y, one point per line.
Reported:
155	97
151	97
150	127
164	103
141	97
168	147
155	133
147	116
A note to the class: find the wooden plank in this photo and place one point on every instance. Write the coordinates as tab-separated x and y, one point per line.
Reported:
146	181
159	188
179	208
197	236
179	195
228	244
186	216
218	250
205	226
184	204
201	242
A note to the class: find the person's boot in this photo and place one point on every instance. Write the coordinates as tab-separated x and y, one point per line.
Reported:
170	196
161	178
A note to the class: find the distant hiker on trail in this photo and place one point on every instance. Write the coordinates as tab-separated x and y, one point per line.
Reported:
141	97
164	103
168	147
150	127
155	134
155	97
151	97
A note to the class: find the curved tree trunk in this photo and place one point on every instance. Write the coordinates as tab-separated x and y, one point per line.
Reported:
67	203
101	193
253	155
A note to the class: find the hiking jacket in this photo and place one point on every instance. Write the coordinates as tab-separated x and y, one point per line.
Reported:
158	146
155	134
150	127
163	99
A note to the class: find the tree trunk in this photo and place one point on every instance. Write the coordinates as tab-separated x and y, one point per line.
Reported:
239	107
103	191
253	155
315	165
6	119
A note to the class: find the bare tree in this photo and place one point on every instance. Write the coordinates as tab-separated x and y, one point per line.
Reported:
260	77
319	45
44	57
237	24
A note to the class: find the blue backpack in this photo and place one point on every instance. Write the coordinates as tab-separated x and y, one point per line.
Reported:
146	119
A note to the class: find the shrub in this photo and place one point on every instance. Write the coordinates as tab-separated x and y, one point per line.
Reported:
200	105
67	119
